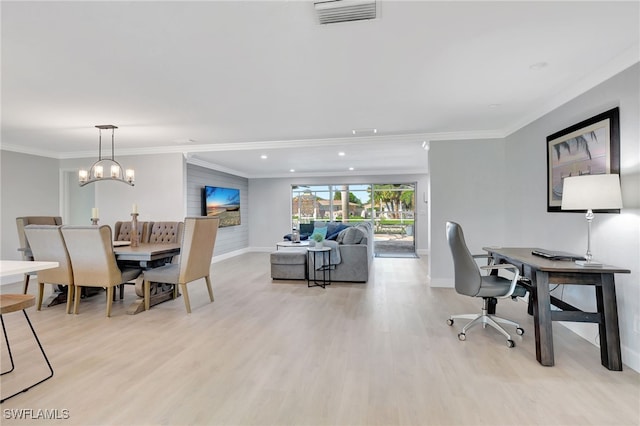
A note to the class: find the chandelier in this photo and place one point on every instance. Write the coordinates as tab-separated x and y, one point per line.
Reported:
114	169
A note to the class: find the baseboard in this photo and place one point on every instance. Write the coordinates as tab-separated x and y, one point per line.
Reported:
440	282
229	255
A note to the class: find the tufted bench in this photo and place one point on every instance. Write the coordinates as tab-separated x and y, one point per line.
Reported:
289	264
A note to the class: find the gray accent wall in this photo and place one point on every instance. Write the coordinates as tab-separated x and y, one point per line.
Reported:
230	238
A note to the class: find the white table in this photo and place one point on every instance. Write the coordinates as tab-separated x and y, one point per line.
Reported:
15	267
291	244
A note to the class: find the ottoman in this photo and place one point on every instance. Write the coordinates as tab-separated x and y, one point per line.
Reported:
289	264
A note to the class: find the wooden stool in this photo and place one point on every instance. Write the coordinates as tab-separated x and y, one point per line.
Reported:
19	302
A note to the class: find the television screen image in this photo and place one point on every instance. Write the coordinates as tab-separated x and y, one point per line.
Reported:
223	203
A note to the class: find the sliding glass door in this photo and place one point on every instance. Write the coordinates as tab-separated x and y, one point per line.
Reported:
389	207
394	219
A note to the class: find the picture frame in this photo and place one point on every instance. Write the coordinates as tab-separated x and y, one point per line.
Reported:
589	147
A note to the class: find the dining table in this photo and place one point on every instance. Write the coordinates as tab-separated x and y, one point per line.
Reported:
147	256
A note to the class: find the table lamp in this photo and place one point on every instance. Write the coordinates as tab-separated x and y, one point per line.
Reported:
591	192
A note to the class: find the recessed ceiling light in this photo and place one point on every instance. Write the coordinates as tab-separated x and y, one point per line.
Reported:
351	168
538	66
264	156
292	170
341	154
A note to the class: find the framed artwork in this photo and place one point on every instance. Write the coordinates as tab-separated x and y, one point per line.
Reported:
589	147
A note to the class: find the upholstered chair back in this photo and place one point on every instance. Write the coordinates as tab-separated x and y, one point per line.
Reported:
197	247
467	277
22	222
47	244
91	252
165	232
122	231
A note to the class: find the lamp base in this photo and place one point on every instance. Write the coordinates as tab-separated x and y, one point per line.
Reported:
589	264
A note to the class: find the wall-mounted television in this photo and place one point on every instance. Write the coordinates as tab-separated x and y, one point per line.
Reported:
223	203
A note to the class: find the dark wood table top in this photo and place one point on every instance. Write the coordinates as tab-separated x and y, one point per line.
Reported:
146	251
523	255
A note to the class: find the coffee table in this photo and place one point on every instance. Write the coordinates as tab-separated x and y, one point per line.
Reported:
291	244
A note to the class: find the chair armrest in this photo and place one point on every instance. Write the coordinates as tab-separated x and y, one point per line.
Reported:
514	281
481	256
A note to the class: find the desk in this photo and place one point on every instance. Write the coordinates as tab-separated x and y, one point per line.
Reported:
148	256
543	272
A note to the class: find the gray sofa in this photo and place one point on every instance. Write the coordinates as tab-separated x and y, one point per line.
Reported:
356	253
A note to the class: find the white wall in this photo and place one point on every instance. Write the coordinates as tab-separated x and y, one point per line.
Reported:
270	205
468	187
615	237
29	188
159	189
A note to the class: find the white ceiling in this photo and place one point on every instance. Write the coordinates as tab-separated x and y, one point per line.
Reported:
228	81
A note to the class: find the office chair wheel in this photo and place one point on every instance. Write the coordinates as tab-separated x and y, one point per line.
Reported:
462	337
511	343
449	322
519	331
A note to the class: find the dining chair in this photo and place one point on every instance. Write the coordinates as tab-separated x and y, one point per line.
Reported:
469	281
21	223
196	251
122	231
165	232
47	244
94	262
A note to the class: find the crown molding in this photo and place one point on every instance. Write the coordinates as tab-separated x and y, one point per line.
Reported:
296	143
213	166
30	151
297	175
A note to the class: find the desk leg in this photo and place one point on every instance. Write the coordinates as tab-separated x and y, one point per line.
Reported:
542	318
610	354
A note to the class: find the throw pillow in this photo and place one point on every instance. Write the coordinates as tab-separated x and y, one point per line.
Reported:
332	233
321	231
352	235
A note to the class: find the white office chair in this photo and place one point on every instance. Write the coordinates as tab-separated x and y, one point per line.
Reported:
470	282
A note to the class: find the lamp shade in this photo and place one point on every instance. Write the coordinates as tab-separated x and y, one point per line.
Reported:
595	192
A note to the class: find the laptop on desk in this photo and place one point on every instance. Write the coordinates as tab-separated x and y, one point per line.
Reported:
556	255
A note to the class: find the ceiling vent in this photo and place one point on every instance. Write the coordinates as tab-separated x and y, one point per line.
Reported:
332	11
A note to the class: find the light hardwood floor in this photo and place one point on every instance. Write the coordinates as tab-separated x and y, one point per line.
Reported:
279	353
